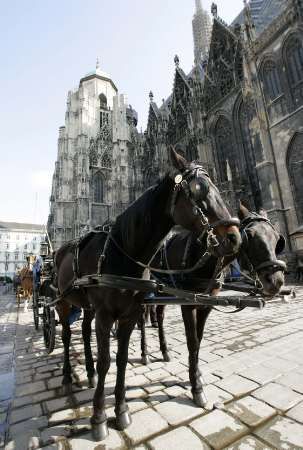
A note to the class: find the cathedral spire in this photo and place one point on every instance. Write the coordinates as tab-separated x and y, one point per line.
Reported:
198	5
97	63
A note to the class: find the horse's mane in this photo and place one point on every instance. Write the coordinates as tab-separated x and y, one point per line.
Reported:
140	212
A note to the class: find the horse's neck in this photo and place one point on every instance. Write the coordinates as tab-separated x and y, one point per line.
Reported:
146	222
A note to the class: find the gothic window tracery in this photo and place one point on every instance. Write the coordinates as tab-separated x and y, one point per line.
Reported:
294	59
106	161
98	188
295	171
246	113
225	150
271	81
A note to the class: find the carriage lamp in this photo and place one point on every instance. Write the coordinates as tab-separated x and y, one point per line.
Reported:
44	249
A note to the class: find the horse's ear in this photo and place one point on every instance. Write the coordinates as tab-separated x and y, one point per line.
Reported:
178	161
242	212
262	212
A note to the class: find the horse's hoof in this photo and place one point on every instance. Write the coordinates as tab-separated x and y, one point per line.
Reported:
99	431
123	420
145	360
200	399
166	357
92	382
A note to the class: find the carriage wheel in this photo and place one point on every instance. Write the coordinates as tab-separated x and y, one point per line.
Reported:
49	328
36	308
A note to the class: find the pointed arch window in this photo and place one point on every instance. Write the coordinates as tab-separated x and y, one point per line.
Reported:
225	149
295	171
294	60
98	188
271	81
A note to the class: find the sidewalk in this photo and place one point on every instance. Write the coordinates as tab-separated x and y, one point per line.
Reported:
252	363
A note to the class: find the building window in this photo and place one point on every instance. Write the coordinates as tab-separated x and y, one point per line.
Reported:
246	114
34	246
7	246
16	256
271	81
294	60
295	171
225	150
25	246
98	188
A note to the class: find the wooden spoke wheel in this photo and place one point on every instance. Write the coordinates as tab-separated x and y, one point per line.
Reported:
36	308
49	328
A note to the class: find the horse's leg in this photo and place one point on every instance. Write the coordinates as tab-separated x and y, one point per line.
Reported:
104	324
190	323
86	334
202	315
162	339
123	418
141	322
67	368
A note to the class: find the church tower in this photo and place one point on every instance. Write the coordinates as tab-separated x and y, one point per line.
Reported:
201	32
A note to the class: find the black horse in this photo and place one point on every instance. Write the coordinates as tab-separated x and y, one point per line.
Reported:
260	245
187	198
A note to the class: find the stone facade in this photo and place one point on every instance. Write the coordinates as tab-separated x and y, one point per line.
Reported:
94	178
239	112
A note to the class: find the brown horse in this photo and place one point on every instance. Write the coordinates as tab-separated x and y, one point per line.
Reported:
187	198
25	289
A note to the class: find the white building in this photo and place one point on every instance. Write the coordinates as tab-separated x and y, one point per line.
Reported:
17	241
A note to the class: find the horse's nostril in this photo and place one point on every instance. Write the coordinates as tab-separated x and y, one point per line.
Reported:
232	238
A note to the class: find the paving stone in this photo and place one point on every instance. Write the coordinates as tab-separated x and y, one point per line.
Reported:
278	396
282	433
28	440
237	385
85	442
27	425
153	424
62	416
30	388
182	438
261	374
219	429
135	393
250	411
137	405
157	397
178	410
296	413
27	412
293	380
53	434
248	443
174	391
57	403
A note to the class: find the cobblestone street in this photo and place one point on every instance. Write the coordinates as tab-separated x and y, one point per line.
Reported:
252	363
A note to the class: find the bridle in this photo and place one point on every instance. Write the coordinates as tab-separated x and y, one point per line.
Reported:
274	264
182	184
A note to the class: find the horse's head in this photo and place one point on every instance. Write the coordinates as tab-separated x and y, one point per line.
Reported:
198	206
261	243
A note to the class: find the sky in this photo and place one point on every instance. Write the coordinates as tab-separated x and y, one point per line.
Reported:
46	46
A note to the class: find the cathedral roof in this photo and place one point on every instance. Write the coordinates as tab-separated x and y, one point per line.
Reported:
98	73
263	12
